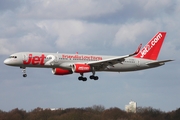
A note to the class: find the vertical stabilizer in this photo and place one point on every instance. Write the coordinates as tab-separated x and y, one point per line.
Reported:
152	48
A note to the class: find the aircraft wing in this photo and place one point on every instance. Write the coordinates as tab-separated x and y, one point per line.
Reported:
114	60
159	62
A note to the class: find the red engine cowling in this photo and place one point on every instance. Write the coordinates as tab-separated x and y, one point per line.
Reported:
60	71
81	68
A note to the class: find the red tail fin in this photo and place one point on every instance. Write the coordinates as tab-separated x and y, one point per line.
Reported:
152	48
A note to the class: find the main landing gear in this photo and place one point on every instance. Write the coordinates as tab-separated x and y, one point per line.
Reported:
85	79
82	78
94	77
24	71
91	77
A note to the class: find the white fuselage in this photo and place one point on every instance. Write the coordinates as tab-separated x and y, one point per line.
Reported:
64	64
62	60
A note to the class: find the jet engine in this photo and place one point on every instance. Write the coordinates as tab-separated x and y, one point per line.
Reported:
81	68
60	71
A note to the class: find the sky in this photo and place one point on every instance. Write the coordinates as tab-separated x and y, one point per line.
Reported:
104	27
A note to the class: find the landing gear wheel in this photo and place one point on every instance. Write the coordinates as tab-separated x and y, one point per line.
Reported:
91	77
84	79
24	71
80	78
96	77
24	75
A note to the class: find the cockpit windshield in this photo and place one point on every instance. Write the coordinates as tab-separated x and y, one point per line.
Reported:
12	56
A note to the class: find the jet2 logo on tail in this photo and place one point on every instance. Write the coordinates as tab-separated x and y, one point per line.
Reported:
151	44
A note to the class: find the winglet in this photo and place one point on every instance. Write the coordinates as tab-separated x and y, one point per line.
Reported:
137	51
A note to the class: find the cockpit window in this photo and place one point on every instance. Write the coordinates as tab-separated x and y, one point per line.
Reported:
13	57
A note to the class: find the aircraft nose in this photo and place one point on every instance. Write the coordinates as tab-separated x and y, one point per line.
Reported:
6	61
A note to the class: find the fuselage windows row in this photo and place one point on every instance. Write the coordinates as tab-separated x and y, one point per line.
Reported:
77	59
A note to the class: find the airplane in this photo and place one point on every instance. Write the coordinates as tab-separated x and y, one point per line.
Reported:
65	64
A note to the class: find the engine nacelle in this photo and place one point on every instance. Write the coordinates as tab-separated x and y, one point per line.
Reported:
60	71
81	68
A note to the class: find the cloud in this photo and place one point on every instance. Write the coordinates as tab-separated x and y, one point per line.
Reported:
67	32
69	8
9	4
158	6
58	25
6	47
73	35
129	32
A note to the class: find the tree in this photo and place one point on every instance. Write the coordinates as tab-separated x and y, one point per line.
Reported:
114	114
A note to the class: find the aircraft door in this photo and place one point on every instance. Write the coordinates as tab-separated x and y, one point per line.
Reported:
56	59
25	57
138	63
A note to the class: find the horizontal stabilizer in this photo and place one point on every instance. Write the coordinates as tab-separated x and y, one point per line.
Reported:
159	62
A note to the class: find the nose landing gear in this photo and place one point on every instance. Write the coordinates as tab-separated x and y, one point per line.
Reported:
24	71
24	75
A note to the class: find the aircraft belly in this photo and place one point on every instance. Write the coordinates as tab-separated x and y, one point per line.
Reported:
54	65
